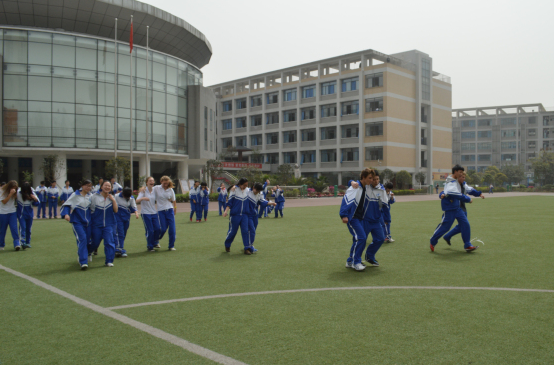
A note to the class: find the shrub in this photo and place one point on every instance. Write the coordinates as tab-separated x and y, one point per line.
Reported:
403	192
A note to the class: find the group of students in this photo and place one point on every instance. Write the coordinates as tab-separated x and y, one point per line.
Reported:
277	193
16	207
50	196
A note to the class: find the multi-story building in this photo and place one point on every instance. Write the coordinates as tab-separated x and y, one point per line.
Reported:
500	135
336	116
60	69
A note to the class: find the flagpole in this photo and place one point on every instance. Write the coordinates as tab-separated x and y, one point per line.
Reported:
147	119
131	102
115	92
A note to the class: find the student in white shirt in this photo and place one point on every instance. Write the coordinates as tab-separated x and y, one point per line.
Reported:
8	215
25	199
149	213
167	208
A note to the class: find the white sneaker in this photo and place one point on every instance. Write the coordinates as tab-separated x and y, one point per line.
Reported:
172	249
84	267
391	240
109	264
157	246
349	265
89	259
359	267
1	248
123	255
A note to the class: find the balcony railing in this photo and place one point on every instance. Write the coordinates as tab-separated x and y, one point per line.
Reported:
424	141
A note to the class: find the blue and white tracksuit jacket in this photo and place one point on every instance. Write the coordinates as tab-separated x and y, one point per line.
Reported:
78	209
392	200
239	213
452	211
254	200
349	205
66	193
193	196
25	217
53	194
221	199
264	210
116	188
123	218
42	194
280	201
203	197
467	190
103	225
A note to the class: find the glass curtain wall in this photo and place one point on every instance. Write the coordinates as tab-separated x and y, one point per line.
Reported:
59	92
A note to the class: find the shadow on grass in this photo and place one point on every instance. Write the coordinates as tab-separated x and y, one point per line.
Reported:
233	255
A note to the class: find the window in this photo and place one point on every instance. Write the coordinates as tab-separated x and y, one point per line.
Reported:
307	157
241	122
289	137
484	134
211	115
484	122
227	124
374	129
509	133
374	153
508	122
374	80
350	84
227	142
328	155
328	88
227	106
531	144
272	98
308	92
329	110
374	105
289	116
531	132
350	154
468	158
272	118
350	131
308	113
256	100
468	135
256	120
350	107
241	104
508	157
532	120
468	123
308	135
211	146
468	146
547	119
290	94
256	140
240	141
508	145
484	158
206	113
257	158
273	158
289	157
425	79
272	138
328	133
471	168
484	146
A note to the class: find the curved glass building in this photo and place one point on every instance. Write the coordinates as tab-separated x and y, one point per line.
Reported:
68	90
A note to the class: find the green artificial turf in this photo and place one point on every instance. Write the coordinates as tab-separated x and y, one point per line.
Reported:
308	249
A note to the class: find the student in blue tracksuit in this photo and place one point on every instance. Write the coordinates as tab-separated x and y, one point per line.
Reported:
26	198
103	208
466	189
193	200
255	199
149	214
42	194
8	214
167	208
239	208
76	210
280	200
97	188
452	211
352	211
264	210
53	194
125	207
390	195
66	192
116	188
204	198
222	198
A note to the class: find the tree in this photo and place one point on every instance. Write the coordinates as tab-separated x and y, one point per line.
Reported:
256	156
52	166
500	178
514	173
285	172
492	170
28	177
213	168
253	174
229	154
473	177
118	167
488	177
420	177
387	175
543	167
403	179
320	184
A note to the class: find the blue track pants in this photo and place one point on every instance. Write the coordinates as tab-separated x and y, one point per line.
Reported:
359	237
151	229
448	218
377	235
10	220
279	209
25	225
167	223
120	234
192	209
252	226
41	207
221	207
52	205
107	234
82	235
234	223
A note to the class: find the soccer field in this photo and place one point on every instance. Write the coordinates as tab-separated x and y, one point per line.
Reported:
418	307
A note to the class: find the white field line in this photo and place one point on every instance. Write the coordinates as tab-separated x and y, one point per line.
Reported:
326	289
199	350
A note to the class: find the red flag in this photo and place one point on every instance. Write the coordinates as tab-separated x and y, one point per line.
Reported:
131	37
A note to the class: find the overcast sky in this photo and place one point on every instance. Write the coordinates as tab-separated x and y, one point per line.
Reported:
496	52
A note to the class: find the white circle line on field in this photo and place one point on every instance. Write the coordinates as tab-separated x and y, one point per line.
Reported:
219	296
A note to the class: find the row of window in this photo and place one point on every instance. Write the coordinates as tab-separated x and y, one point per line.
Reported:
506	122
487	158
488	134
326	88
329	155
488	145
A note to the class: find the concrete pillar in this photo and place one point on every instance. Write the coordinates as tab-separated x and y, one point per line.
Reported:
13	168
38	174
62	170
143	168
339	178
183	170
87	169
